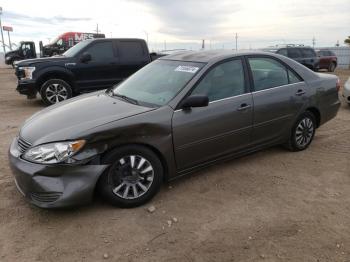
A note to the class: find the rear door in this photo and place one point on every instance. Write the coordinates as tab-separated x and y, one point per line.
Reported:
101	71
133	55
278	97
309	57
225	125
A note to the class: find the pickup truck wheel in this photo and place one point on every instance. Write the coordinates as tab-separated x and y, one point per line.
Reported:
13	63
133	178
54	91
302	133
331	67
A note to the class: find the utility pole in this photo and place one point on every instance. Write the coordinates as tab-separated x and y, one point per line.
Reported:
164	45
2	33
236	41
10	45
313	42
97	29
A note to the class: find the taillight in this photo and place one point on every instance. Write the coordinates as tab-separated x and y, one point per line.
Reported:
338	85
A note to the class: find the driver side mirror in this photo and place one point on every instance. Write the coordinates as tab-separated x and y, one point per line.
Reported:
195	101
86	57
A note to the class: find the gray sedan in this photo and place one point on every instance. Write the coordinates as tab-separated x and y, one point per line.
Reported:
176	115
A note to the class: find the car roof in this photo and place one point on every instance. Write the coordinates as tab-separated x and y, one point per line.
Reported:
209	56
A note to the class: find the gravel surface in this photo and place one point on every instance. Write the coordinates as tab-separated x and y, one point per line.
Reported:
273	205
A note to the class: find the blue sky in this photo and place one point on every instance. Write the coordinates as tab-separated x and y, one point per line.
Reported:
183	23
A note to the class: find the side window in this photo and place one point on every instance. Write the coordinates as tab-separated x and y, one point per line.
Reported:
101	51
306	52
294	53
293	78
282	52
267	73
59	42
223	81
130	50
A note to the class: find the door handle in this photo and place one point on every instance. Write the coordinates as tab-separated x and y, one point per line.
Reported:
244	106
300	92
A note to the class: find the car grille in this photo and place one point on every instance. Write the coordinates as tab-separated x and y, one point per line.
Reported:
23	145
45	197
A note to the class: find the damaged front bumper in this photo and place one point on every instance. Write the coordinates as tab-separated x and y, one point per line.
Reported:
54	186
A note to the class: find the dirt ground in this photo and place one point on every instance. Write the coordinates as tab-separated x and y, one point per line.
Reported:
273	205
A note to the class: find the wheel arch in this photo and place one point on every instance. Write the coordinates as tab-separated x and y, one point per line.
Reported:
316	112
55	74
155	150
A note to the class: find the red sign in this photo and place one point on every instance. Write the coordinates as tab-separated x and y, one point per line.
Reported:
7	28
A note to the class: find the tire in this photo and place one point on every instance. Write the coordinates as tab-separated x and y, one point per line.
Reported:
331	67
54	91
131	168
302	132
13	63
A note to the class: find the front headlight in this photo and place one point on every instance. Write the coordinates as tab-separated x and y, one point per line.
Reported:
28	72
54	152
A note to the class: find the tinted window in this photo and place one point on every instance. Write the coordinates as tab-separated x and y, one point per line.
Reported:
282	52
293	78
222	81
101	51
130	50
267	73
294	53
306	52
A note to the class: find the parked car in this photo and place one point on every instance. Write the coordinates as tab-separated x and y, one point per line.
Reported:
178	114
346	91
328	60
25	50
304	55
90	65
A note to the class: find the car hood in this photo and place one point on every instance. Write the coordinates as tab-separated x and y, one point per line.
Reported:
68	120
10	53
53	59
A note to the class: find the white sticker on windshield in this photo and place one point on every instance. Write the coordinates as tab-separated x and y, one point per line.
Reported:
187	69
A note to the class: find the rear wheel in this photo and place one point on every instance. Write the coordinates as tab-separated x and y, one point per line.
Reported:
54	91
331	67
133	178
303	132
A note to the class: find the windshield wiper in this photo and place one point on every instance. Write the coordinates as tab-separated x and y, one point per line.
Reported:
126	98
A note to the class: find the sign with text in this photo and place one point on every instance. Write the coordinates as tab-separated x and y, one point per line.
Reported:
7	28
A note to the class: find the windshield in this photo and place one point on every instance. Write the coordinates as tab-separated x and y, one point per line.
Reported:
158	82
76	49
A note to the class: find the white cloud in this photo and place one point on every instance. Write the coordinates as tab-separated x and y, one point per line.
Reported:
183	23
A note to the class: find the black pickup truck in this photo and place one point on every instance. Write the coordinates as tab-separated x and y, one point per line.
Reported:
88	66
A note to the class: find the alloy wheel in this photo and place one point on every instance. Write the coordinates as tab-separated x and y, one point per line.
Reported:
132	177
304	132
56	93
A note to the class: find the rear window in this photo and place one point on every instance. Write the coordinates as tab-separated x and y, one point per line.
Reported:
307	52
130	50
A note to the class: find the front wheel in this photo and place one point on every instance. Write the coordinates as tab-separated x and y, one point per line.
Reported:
133	178
302	133
54	91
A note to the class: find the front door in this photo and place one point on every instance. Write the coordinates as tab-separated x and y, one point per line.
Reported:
225	125
101	71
